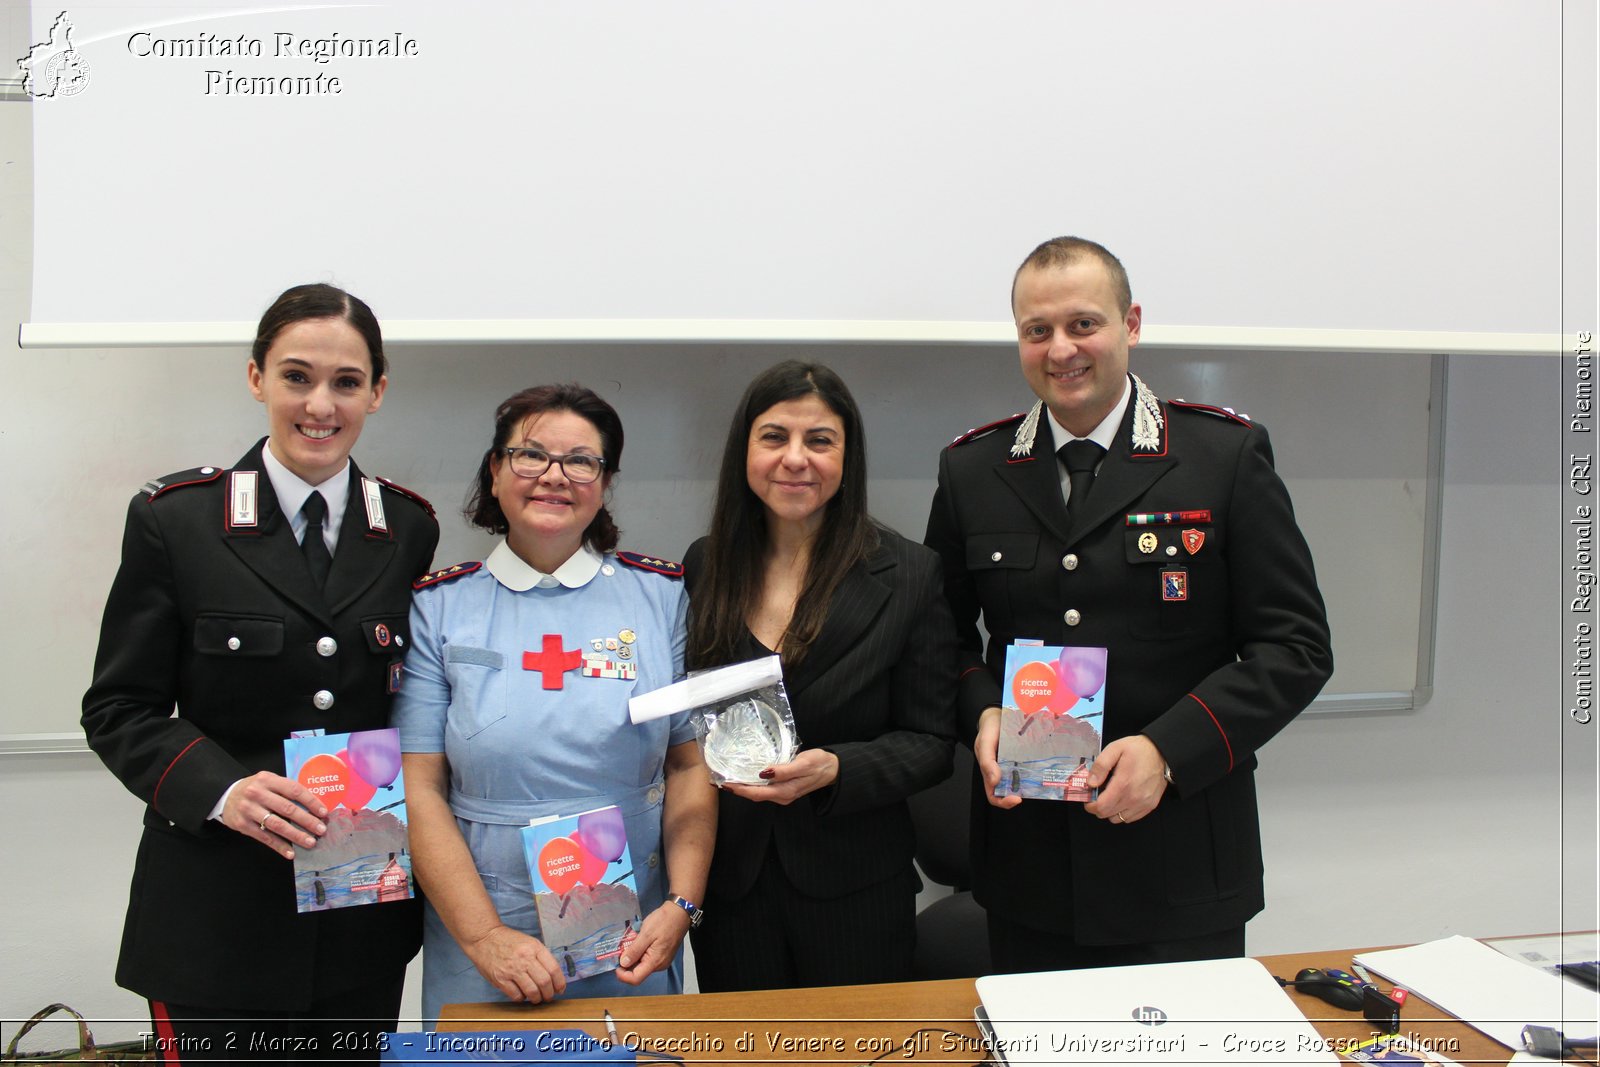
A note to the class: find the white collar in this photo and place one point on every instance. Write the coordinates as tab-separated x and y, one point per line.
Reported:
292	491
1103	434
516	574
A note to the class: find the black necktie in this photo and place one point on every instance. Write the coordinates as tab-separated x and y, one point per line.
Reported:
312	544
1080	458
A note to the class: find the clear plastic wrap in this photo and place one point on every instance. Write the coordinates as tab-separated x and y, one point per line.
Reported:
741	716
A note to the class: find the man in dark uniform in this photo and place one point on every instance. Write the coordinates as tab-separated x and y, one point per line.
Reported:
1175	547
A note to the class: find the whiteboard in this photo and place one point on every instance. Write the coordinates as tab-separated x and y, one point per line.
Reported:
1256	163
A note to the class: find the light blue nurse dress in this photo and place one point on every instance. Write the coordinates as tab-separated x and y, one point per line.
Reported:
521	679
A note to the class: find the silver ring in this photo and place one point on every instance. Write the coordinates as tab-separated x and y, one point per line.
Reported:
263	823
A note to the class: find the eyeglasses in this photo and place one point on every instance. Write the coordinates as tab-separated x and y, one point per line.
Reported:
579	467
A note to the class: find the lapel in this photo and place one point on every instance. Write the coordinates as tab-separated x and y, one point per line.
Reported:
1125	475
856	604
363	552
1036	480
269	548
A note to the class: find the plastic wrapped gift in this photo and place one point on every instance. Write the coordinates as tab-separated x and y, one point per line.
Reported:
741	716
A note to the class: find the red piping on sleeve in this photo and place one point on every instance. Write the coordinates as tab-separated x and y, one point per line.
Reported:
155	798
1220	730
968	671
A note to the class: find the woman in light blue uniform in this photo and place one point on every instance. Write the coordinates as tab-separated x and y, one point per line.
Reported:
514	706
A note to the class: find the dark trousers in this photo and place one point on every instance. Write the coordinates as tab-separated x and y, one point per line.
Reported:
775	937
1019	949
347	1027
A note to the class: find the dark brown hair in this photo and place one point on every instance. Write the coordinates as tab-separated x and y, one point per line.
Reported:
730	584
319	301
1060	251
483	510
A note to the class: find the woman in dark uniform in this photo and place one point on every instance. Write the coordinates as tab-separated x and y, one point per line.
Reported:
259	600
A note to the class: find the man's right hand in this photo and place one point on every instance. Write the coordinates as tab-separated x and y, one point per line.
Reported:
987	750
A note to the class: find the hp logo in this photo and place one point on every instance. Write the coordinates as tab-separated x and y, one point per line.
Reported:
1149	1016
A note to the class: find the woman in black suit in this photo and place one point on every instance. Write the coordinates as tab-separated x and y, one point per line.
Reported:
812	880
259	600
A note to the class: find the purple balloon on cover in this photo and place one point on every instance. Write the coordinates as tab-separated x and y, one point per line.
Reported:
603	833
375	755
1083	669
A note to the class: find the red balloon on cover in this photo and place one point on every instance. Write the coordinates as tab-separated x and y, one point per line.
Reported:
357	790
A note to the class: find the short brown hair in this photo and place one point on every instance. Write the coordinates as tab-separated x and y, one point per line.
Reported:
1060	251
483	510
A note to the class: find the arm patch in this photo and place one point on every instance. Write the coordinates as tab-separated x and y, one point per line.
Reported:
987	428
651	564
193	476
445	574
1211	409
409	495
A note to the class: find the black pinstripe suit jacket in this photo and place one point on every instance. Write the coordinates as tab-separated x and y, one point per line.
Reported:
877	690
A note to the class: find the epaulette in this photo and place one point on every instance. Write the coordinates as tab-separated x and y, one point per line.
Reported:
651	563
1211	409
445	574
193	476
973	435
418	497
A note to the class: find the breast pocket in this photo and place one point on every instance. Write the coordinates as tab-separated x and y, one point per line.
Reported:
1164	563
1000	563
477	688
234	636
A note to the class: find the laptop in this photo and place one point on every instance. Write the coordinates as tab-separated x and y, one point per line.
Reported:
1211	1012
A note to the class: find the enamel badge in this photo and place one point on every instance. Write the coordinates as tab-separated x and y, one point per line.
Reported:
1192	540
1174	585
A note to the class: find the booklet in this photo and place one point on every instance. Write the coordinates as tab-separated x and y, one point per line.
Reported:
583	888
365	857
1400	1048
1051	721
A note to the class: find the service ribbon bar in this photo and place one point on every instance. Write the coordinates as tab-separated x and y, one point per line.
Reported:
1168	518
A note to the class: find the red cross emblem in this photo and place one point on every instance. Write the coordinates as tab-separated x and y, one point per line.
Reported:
551	662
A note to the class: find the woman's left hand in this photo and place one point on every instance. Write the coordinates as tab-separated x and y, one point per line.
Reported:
655	945
785	783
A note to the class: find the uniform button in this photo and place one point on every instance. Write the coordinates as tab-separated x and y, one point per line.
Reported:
995	556
208	470
326	646
1070	561
322	700
1172	550
653	860
1072	617
398	641
652	796
608	570
233	644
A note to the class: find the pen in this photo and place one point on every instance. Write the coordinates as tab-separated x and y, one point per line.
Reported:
611	1028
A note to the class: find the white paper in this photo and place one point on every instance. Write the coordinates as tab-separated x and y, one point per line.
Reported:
1487	990
706	688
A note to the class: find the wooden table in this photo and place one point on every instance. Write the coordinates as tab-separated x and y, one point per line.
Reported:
902	1022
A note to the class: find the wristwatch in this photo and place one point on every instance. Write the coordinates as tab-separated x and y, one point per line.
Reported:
696	915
